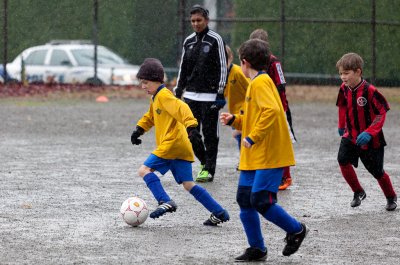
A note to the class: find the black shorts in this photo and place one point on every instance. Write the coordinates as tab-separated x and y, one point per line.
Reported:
372	159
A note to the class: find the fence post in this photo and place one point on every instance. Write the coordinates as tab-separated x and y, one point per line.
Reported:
5	41
373	40
282	24
95	29
181	33
24	80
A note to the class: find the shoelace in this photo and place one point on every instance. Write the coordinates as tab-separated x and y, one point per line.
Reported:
214	219
165	206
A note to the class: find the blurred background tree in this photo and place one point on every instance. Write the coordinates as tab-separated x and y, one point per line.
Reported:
139	29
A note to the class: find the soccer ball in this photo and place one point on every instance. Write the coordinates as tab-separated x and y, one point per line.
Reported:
134	211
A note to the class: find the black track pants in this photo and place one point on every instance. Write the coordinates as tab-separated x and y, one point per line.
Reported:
208	126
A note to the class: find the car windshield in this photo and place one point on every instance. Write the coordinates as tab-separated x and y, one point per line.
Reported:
85	57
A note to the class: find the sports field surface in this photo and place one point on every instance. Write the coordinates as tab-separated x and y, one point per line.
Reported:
67	164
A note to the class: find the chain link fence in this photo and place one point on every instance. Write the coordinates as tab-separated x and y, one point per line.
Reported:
308	36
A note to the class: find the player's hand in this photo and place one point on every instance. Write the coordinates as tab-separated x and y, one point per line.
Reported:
136	134
363	138
225	118
193	133
246	143
219	102
194	137
178	92
341	131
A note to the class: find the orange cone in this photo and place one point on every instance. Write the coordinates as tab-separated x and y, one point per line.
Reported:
102	99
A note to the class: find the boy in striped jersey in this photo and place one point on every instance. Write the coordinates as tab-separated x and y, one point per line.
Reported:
362	113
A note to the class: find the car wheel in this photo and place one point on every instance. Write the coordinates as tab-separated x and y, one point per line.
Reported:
94	81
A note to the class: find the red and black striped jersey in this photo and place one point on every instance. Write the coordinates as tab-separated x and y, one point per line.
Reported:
366	110
276	73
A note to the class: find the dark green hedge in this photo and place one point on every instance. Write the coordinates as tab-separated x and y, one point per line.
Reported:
139	29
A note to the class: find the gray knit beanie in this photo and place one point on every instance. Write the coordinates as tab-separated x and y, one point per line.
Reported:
152	70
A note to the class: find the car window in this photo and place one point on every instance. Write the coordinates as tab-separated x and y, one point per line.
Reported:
106	56
59	57
36	57
85	57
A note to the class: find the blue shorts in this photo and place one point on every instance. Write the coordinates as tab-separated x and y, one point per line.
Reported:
261	179
180	169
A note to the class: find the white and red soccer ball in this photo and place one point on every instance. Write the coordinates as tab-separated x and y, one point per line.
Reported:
134	211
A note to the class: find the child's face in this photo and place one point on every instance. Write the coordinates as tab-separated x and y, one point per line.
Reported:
199	23
150	86
350	78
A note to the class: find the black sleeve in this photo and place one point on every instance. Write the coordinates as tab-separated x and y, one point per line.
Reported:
222	64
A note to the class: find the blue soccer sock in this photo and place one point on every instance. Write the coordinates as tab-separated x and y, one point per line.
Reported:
202	196
154	184
278	216
252	227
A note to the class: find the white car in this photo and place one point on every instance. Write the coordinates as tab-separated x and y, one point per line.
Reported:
72	62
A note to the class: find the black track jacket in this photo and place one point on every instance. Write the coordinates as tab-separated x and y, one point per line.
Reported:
203	66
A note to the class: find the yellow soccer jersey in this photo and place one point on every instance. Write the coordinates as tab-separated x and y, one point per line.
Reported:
170	117
235	89
264	121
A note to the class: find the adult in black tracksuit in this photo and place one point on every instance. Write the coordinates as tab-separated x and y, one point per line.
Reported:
201	81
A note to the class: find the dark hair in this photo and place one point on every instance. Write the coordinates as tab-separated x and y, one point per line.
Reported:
350	61
199	9
256	52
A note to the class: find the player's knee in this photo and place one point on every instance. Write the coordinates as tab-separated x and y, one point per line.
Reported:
342	160
188	185
243	196
262	200
143	171
377	173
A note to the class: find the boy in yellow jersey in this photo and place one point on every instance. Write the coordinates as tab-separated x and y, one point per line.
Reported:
266	150
235	89
274	70
174	125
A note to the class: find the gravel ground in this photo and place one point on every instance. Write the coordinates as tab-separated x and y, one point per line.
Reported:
67	165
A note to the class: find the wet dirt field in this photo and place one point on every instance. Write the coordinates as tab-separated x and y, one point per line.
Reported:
66	166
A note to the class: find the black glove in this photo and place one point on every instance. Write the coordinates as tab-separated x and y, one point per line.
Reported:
178	93
136	134
194	137
219	102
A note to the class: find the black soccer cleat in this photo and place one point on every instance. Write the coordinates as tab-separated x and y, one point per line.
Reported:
293	241
358	197
163	208
391	203
252	254
218	218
